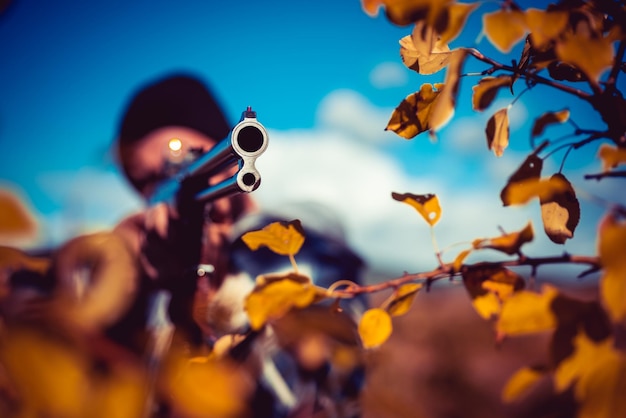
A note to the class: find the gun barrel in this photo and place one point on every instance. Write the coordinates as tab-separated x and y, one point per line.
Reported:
247	141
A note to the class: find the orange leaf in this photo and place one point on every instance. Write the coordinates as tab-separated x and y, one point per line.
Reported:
458	260
592	55
597	370
611	156
611	239
504	28
375	327
272	300
426	204
412	116
520	193
284	238
443	107
560	212
489	286
420	51
545	26
15	220
452	20
508	243
549	118
530	169
528	312
402	299
521	381
486	89
498	132
371	6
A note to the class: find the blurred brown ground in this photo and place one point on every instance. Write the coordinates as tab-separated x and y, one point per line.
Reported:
442	362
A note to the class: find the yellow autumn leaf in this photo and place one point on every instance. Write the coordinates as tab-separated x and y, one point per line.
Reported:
371	7
272	300
412	115
545	26
459	259
504	28
426	204
486	89
598	372
518	384
530	169
611	156
284	238
489	286
401	12
211	388
49	375
611	250
16	221
528	312
520	193
497	132
423	52
548	118
592	55
402	299
375	327
424	65
452	20
121	395
424	38
443	107
508	243
560	212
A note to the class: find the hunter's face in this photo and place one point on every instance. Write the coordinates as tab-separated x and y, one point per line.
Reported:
150	155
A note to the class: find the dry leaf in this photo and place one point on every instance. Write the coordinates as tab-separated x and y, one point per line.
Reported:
611	250
528	312
426	204
272	300
548	118
15	220
284	238
486	89
592	55
507	243
422	52
504	28
402	299
611	156
452	20
560	212
598	372
530	169
520	193
412	116
375	327
489	286
443	107
209	388
545	26
497	132
521	381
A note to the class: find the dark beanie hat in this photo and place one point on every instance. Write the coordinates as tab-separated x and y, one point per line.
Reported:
175	100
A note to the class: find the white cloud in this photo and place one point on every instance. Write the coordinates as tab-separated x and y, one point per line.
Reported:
389	74
351	113
89	199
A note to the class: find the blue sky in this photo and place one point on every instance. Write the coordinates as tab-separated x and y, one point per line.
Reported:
323	77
